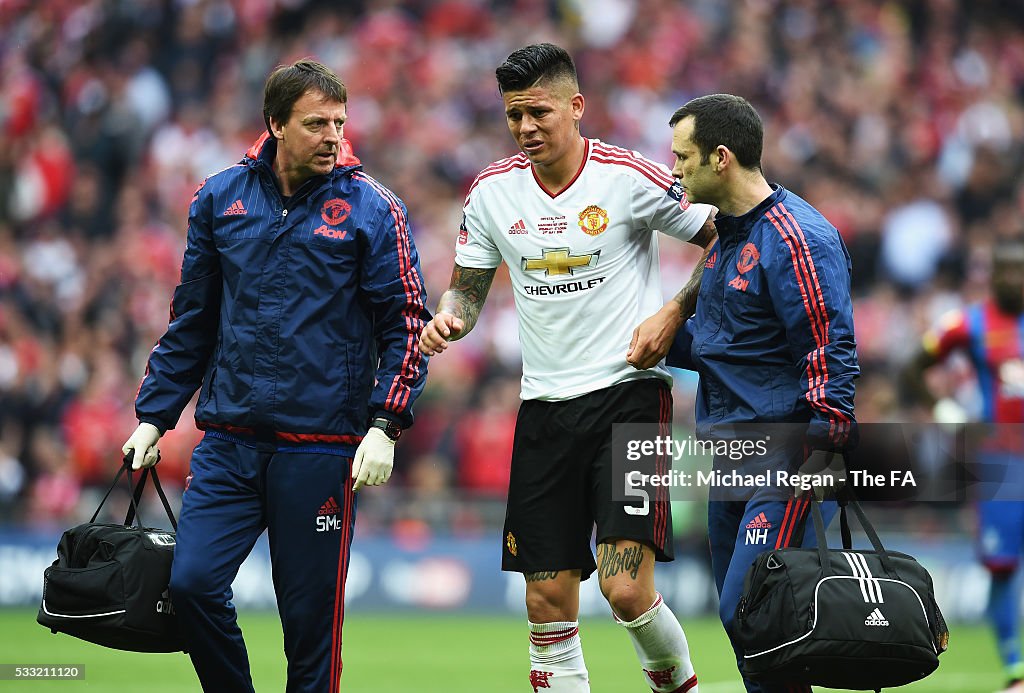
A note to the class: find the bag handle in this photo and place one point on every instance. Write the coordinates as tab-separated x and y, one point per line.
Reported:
844	522
163	500
844	497
869	530
133	509
126	465
134	498
135	493
819	533
847	499
844	526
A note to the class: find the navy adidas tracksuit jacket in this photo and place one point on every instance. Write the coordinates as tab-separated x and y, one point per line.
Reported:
773	342
297	320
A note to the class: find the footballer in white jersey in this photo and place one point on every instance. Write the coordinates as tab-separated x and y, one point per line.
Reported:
576	221
583	262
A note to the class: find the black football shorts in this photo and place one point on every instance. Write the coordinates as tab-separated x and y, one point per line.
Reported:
562	485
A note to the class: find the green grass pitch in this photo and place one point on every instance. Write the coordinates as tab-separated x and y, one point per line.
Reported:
428	654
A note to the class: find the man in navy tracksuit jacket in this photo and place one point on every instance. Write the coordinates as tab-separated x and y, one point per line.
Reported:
772	339
296	319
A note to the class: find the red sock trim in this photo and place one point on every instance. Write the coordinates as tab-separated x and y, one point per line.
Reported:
553	637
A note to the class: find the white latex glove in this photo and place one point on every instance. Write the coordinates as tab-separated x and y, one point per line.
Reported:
821	468
374	460
143	442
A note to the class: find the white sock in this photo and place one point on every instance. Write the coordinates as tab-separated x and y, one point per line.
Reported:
661	647
556	658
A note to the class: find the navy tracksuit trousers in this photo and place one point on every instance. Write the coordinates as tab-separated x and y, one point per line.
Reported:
304	498
741	524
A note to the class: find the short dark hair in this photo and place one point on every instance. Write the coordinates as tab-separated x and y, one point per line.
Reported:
727	120
288	83
530	65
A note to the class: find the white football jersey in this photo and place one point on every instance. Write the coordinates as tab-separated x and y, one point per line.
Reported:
584	262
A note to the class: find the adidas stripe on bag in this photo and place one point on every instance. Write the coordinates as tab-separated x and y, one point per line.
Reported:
839	618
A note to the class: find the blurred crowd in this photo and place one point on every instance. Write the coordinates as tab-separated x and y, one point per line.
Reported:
900	120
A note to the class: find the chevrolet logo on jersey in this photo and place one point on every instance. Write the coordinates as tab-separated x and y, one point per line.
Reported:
558	261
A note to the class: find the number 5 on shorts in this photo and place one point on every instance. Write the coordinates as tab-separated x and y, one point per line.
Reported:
634	492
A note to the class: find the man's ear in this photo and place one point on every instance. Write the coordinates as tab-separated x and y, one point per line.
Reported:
722	158
276	128
578	104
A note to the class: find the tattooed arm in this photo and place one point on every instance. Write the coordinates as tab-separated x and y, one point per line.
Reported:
653	337
686	299
465	296
458	309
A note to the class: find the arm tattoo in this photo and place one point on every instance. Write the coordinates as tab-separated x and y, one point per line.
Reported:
466	294
687	296
705	235
541	576
611	562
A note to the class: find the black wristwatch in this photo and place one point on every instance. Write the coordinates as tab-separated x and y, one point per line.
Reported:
390	428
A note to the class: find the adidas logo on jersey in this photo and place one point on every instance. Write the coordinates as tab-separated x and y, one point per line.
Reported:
235	208
518	228
875	618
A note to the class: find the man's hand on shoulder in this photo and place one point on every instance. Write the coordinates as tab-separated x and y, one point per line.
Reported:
443	328
654	336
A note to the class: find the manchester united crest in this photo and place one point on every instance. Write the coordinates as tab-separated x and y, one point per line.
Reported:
749	257
593	220
335	211
510	542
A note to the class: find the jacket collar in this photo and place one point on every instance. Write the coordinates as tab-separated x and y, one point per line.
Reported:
741	225
264	150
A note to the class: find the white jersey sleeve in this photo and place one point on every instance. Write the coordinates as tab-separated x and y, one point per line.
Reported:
475	248
664	210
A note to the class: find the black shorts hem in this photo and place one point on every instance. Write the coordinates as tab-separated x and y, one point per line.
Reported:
585	571
661	555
